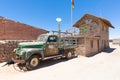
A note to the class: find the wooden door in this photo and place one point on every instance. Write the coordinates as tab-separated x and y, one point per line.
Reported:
98	45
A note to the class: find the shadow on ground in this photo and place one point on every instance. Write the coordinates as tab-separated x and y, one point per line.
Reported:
51	62
109	50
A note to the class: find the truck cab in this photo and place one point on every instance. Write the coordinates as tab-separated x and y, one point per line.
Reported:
52	45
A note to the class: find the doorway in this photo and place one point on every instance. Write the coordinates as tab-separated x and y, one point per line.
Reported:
98	45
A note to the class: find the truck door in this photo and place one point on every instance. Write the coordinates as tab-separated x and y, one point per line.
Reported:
51	46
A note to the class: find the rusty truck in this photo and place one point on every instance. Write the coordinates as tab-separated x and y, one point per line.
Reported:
29	54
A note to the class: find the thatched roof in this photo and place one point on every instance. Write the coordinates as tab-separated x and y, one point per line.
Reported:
88	15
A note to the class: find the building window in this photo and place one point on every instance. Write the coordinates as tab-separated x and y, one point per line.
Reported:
106	29
102	28
91	43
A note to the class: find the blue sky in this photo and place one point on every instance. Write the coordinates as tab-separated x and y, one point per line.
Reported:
43	13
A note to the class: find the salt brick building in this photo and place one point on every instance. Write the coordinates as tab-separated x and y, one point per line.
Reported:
93	36
12	30
116	41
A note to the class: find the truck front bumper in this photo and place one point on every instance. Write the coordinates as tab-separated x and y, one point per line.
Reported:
18	61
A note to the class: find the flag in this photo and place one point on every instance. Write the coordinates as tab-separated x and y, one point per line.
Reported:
72	4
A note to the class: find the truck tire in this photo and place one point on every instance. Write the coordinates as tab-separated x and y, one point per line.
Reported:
69	55
32	62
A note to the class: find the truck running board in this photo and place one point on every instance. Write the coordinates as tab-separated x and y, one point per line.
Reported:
56	56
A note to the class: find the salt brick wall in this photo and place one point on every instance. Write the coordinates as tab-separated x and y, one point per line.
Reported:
11	30
7	47
15	32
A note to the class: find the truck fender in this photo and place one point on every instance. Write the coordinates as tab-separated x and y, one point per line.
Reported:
41	55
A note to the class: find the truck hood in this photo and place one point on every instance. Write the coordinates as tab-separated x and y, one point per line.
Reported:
31	44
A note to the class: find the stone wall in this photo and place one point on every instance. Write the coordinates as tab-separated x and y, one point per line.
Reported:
7	47
81	50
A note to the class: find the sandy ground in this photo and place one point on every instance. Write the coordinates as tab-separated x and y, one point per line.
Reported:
103	66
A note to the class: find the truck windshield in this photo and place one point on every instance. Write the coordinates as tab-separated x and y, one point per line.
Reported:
42	38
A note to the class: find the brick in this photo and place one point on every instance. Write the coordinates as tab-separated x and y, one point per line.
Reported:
11	30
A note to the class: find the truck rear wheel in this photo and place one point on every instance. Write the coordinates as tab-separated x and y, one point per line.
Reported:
32	63
69	55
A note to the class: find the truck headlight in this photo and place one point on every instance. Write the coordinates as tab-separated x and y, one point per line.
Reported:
14	50
22	53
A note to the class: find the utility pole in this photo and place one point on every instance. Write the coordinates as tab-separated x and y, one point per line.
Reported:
59	20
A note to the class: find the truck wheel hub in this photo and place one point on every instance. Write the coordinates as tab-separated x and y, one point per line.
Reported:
34	62
69	55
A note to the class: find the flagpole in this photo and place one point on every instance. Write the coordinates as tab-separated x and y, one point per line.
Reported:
72	7
71	16
72	21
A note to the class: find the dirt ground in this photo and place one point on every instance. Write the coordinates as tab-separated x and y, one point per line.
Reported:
103	66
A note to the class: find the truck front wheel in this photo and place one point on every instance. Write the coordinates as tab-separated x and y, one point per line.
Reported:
32	63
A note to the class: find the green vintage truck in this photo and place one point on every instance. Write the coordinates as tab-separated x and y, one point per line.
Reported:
29	54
